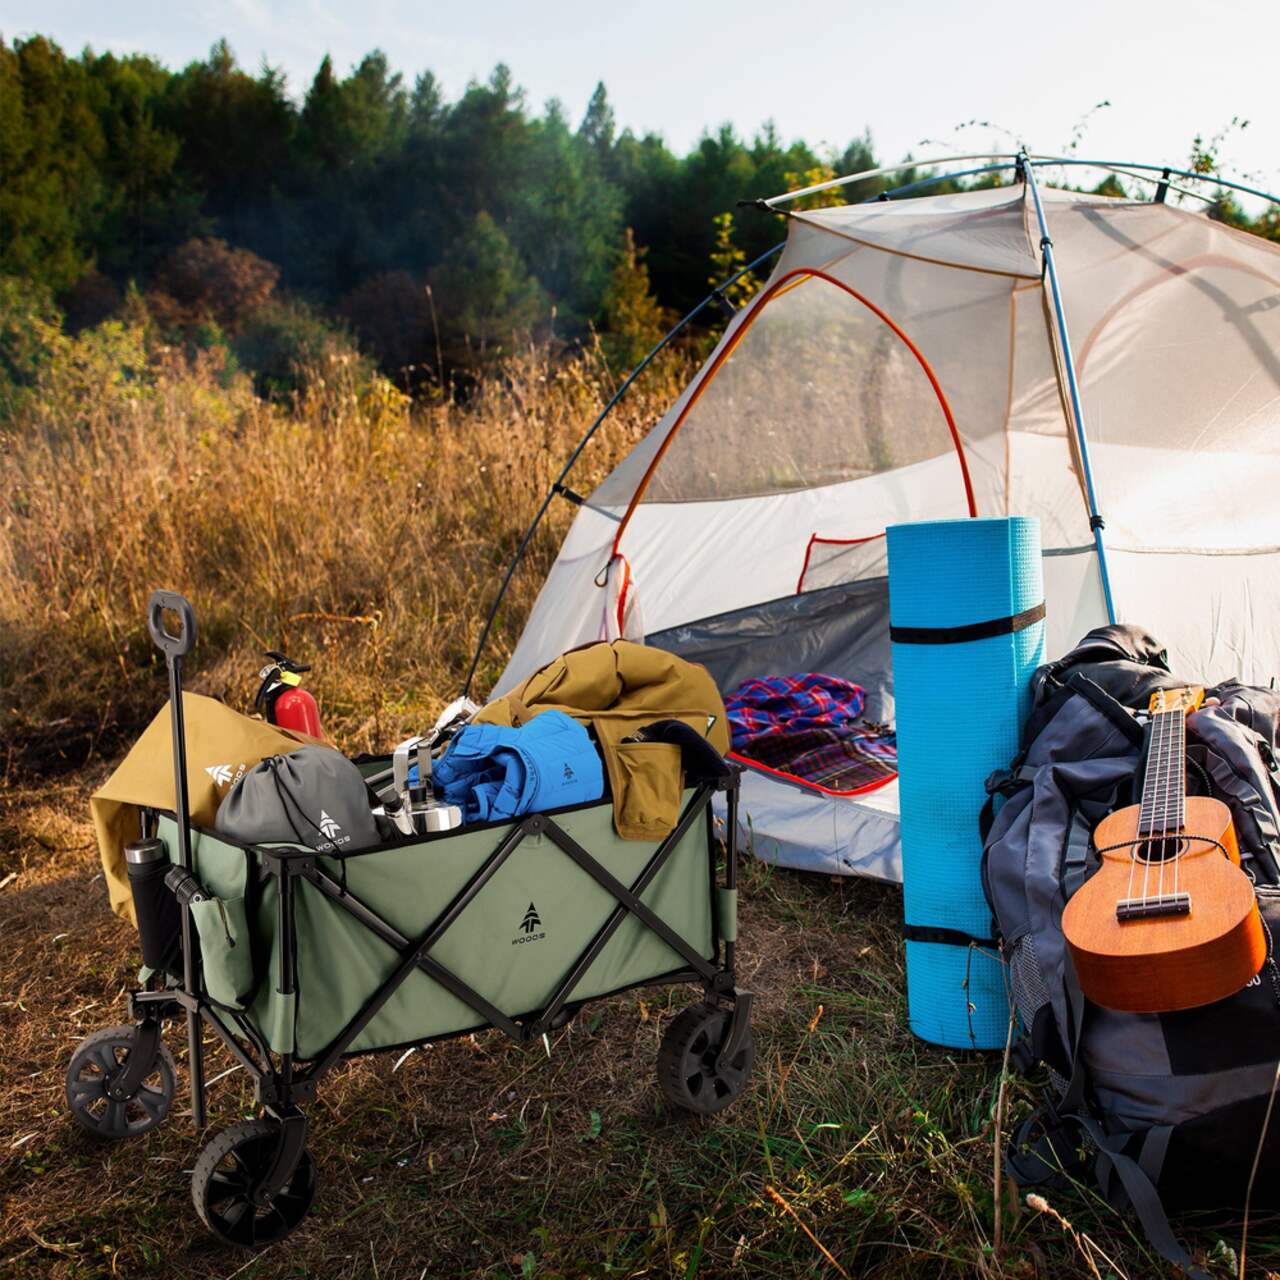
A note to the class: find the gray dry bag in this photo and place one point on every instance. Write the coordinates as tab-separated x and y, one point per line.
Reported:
313	796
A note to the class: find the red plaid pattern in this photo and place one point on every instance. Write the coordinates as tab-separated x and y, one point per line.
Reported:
808	726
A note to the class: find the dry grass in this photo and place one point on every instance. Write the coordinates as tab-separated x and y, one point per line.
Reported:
367	536
351	529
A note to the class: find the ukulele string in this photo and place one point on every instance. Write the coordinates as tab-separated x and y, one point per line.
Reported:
1169	762
1157	795
1162	782
1164	797
1144	817
1169	798
1181	730
1153	766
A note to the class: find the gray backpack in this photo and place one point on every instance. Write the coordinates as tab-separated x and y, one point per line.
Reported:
1172	1106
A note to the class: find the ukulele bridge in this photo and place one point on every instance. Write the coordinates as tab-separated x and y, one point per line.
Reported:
1161	904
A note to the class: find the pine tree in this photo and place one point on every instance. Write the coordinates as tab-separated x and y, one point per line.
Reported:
598	126
727	260
633	320
484	293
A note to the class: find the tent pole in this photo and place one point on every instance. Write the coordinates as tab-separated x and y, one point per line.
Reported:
1073	386
1165	170
788	196
932	181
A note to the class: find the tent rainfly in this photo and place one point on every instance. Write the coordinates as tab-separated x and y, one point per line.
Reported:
910	360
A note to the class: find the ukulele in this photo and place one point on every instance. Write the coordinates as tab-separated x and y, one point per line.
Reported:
1169	920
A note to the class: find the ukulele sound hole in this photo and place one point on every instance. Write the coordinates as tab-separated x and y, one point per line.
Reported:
1162	848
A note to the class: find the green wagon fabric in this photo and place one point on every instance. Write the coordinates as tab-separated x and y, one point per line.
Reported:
513	943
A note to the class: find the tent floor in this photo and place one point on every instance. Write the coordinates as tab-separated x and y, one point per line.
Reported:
790	825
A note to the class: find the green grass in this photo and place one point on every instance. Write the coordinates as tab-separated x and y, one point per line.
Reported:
858	1151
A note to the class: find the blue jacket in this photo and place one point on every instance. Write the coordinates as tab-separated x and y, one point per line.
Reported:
494	772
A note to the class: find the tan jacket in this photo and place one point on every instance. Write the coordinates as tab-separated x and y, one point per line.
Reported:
617	689
221	745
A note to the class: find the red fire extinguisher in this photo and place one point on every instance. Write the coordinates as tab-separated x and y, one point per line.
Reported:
280	699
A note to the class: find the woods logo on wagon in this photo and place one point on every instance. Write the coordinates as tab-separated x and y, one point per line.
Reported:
530	927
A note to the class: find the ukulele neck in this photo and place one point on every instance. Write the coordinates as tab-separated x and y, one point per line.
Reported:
1164	791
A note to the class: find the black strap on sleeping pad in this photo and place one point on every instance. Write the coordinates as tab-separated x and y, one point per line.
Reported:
973	631
951	937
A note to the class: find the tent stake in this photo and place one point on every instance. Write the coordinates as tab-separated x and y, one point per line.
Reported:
1096	523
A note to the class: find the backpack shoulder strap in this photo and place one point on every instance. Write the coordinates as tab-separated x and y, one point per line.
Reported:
1105	704
1003	782
1141	1192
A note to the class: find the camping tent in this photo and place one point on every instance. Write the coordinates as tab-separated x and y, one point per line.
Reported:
905	361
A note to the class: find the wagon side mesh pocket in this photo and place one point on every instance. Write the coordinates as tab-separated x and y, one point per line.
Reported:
226	955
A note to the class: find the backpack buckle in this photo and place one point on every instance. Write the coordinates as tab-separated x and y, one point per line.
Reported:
1004	782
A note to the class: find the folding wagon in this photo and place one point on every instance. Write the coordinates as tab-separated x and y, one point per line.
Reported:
297	959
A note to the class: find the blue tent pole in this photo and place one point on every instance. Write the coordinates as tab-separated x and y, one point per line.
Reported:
1096	522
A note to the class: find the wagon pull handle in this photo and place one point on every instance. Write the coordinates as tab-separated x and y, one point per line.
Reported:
172	646
175	648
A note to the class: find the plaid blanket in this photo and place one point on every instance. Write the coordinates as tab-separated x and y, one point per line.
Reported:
808	725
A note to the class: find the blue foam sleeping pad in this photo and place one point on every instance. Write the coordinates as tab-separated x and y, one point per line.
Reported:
960	707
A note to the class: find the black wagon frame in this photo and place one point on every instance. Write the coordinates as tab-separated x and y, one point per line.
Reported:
284	1082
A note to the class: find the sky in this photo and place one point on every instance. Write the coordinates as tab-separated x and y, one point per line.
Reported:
912	71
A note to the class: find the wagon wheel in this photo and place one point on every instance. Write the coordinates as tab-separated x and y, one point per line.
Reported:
98	1061
691	1073
225	1174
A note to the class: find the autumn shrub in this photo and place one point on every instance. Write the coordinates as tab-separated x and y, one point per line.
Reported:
391	314
207	279
288	345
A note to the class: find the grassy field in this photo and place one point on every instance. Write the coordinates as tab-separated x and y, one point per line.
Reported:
365	535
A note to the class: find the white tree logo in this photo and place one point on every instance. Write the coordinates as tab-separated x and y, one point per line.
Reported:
329	827
220	773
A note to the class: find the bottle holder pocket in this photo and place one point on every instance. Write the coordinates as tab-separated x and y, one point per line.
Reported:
225	951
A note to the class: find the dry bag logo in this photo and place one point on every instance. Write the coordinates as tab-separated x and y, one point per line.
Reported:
331	832
531	927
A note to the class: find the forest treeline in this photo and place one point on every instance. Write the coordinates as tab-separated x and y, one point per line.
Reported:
218	207
362	193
